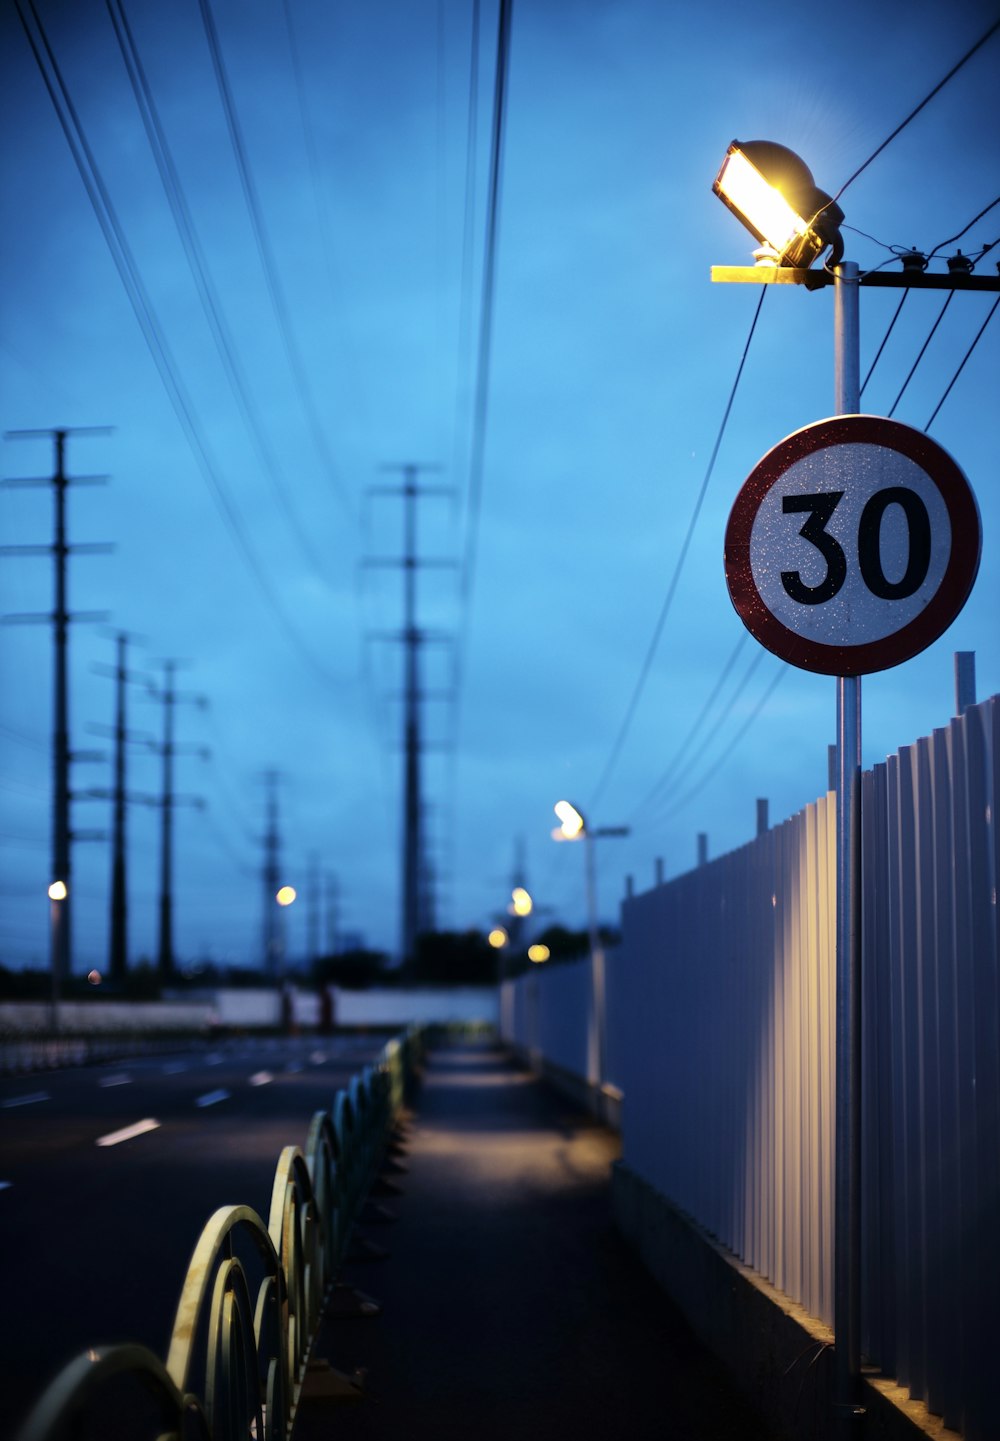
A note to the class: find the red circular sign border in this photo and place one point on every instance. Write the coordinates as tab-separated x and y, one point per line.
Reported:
940	611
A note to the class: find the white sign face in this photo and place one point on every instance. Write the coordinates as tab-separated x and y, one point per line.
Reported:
852	545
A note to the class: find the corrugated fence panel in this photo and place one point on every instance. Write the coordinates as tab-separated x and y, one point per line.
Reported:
720	1017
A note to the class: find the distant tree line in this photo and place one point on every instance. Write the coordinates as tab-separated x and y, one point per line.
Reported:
443	958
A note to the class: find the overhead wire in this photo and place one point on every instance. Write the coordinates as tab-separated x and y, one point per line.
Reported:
265	252
682	750
484	353
917	109
149	324
720	760
207	290
940	246
460	438
922	352
965	358
734	699
654	642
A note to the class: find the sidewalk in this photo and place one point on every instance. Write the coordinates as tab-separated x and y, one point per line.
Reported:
511	1308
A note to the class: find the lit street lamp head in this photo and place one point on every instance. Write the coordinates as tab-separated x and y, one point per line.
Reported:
772	191
571	822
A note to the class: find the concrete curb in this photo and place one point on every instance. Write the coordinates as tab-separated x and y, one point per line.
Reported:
779	1355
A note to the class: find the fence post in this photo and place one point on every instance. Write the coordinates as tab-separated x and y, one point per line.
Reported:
762	816
965	680
702	847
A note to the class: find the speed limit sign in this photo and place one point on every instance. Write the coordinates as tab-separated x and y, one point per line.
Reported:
852	545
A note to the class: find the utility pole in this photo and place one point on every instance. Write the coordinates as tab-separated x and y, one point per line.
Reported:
120	798
414	918
60	944
332	894
168	748
274	937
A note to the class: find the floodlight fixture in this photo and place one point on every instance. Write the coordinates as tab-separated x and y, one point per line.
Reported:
772	191
572	826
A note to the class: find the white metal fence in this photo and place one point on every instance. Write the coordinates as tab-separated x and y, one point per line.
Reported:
721	1035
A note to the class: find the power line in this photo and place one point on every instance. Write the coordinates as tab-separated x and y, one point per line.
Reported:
205	285
675	578
885	340
923	350
149	324
741	686
916	111
966	228
902	301
682	750
486	304
700	784
958	372
264	250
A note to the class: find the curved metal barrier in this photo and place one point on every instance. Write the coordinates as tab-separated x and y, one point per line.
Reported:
253	1295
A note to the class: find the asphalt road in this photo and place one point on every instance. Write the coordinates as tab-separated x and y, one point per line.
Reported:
98	1223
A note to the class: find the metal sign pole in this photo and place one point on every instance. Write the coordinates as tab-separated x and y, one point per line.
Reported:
847	1201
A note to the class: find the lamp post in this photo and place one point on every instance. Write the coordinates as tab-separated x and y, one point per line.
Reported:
573	827
772	192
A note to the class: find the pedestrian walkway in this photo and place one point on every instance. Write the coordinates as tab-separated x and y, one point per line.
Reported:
510	1306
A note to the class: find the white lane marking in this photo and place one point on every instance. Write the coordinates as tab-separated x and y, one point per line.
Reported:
121	1079
26	1100
212	1098
174	1068
113	1138
317	1058
6	1185
261	1078
214	1059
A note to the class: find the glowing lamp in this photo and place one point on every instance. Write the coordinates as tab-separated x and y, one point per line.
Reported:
538	953
286	895
521	903
772	191
497	938
58	891
571	821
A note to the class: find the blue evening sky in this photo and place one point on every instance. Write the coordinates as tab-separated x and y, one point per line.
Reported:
240	544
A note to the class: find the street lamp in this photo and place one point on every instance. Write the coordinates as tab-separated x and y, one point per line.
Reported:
58	894
573	827
773	194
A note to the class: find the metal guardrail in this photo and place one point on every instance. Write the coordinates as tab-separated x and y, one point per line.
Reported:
254	1294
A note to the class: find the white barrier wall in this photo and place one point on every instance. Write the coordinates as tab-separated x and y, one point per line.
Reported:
443	1005
721	1020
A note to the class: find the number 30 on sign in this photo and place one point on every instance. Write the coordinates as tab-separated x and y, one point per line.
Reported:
852	545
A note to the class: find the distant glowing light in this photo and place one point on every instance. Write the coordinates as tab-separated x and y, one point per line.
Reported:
571	821
521	902
497	938
58	891
538	953
94	977
286	895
